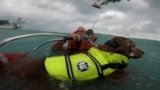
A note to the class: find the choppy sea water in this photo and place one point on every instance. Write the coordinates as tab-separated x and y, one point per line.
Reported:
143	73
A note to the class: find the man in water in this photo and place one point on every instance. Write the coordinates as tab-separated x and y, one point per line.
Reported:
76	43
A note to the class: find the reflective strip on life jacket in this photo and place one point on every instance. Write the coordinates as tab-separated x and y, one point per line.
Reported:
3	59
69	67
98	65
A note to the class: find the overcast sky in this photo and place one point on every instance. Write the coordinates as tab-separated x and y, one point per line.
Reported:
137	18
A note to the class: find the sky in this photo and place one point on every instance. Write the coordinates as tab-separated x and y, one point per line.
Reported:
134	18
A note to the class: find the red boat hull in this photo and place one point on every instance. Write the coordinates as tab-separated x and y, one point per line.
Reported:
6	58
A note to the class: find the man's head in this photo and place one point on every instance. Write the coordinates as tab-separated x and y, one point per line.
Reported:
91	35
80	30
90	31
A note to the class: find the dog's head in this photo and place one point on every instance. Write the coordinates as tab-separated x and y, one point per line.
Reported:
125	46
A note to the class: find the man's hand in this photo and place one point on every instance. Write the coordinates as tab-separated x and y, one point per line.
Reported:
76	37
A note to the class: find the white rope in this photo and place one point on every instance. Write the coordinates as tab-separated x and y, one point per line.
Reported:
95	21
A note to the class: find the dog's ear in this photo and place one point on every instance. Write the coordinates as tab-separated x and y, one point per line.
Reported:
106	48
136	53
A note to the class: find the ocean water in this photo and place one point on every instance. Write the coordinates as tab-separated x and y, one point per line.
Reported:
143	73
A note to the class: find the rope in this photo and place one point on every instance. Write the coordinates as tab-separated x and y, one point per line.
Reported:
95	21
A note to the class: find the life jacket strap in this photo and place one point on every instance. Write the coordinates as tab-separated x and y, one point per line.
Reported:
68	64
115	65
69	67
98	65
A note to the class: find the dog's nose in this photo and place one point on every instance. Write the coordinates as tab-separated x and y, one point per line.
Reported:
136	53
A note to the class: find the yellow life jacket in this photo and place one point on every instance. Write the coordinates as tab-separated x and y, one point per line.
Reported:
84	66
